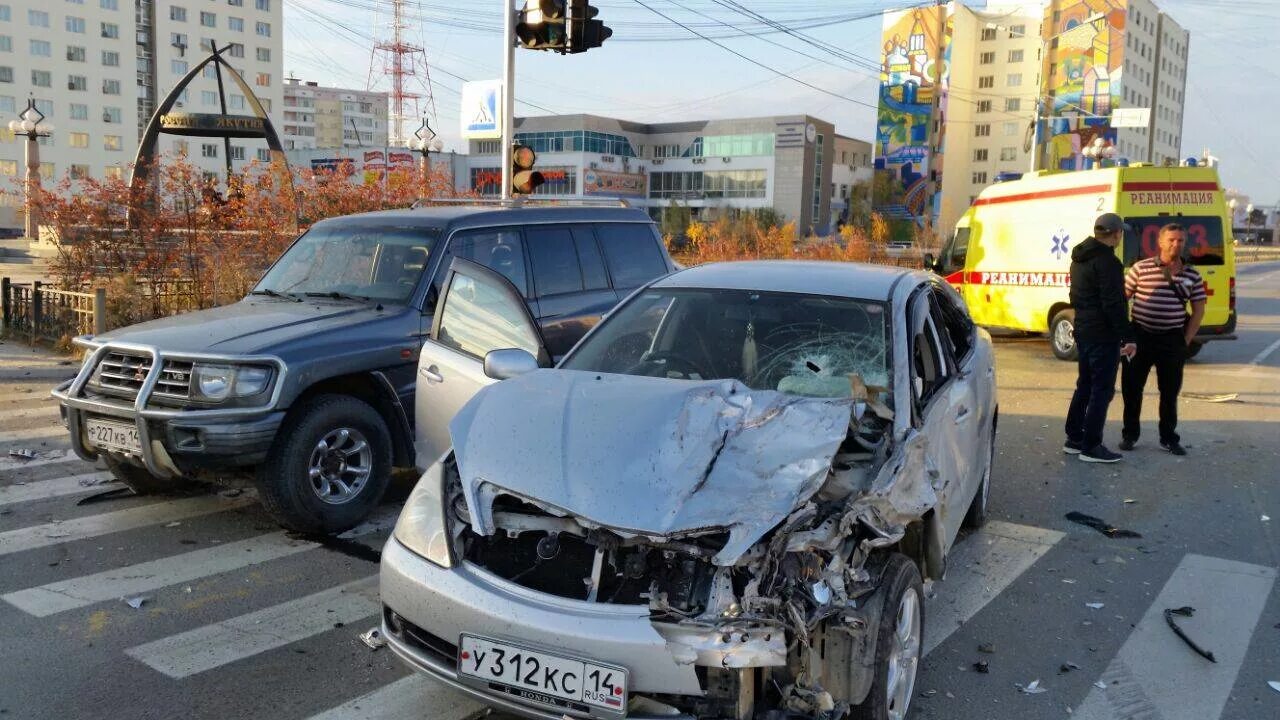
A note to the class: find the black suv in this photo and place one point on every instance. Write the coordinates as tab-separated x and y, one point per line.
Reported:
308	382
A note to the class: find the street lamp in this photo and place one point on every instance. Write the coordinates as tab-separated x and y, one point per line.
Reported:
30	124
1099	151
425	143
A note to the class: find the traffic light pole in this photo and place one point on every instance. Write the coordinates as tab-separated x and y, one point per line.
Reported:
508	93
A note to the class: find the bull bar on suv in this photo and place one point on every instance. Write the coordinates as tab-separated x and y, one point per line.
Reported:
139	369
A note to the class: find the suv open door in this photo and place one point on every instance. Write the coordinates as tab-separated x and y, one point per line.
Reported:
479	311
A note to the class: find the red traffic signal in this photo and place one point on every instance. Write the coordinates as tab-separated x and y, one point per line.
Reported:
524	179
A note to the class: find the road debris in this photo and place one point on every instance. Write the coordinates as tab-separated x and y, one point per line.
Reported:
928	693
1275	685
232	492
105	495
1186	611
1100	525
1266	518
91	481
23	454
1212	397
136	602
175	523
982	666
1095	605
1032	688
373	638
1067	667
1100	685
987	648
1129	501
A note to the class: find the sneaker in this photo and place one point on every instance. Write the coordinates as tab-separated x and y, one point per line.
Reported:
1173	447
1071	447
1100	454
1127	445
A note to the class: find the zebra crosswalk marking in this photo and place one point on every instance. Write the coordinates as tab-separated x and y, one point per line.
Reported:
979	568
408	697
56	533
211	646
1148	678
44	489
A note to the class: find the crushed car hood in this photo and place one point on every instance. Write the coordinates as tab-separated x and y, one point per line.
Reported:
649	457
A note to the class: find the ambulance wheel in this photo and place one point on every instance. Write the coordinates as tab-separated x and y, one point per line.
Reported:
1062	335
1194	348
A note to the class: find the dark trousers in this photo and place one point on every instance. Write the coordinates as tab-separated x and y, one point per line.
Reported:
1095	386
1167	352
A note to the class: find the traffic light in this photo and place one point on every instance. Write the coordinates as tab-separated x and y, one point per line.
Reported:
541	25
524	179
584	31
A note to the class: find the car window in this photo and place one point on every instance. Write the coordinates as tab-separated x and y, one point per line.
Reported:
632	253
554	259
499	249
794	343
480	315
955	319
956	251
929	364
593	275
380	263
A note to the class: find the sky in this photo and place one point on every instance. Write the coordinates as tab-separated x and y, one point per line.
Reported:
652	70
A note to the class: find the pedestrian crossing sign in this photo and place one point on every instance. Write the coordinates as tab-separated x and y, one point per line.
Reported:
482	110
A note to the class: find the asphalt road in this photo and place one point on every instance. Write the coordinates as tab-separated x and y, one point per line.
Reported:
242	621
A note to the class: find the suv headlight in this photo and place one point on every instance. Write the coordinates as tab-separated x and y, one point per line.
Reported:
423	527
219	382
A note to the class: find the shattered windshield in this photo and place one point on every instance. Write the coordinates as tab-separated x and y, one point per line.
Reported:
342	262
799	344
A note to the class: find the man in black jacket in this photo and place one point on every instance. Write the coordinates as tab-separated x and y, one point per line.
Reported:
1102	335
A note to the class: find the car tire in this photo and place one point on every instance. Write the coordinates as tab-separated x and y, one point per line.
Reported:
142	482
977	515
897	659
1194	348
329	466
1062	337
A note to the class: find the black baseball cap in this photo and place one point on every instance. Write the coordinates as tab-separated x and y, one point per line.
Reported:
1108	223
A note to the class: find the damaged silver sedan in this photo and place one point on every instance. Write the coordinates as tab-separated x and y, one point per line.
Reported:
723	503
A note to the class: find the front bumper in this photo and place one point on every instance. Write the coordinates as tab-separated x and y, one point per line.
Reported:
433	606
174	441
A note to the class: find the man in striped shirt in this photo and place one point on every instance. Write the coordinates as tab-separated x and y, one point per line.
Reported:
1161	288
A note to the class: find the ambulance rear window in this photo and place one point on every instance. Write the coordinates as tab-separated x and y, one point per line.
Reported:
1204	244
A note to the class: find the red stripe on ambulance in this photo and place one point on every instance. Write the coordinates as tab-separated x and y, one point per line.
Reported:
1044	194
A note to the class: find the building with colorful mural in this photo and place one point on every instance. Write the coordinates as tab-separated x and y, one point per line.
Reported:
1016	85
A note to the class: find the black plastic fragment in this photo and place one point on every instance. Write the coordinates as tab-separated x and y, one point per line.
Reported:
1186	611
1100	525
105	495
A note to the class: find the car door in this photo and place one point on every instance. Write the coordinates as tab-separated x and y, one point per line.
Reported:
937	414
479	310
967	410
570	285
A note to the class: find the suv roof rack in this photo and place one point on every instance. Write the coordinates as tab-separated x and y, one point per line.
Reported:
522	202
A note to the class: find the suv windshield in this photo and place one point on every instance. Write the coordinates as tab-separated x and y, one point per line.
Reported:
344	262
798	344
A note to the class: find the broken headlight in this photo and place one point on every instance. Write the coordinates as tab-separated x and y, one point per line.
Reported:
422	527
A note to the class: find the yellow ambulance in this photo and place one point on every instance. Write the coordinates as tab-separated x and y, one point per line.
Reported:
1010	256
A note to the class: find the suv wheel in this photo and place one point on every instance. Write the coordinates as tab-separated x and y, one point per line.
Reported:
899	642
329	465
142	482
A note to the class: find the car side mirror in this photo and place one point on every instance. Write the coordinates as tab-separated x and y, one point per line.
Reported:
929	261
508	363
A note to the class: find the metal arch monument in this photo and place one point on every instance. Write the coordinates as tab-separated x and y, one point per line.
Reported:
221	125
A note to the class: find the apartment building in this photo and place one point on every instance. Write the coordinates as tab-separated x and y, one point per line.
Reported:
850	177
98	68
326	117
710	166
1022	82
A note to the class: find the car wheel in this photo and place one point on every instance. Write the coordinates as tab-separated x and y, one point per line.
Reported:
1062	336
329	466
899	642
977	515
1194	348
143	482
